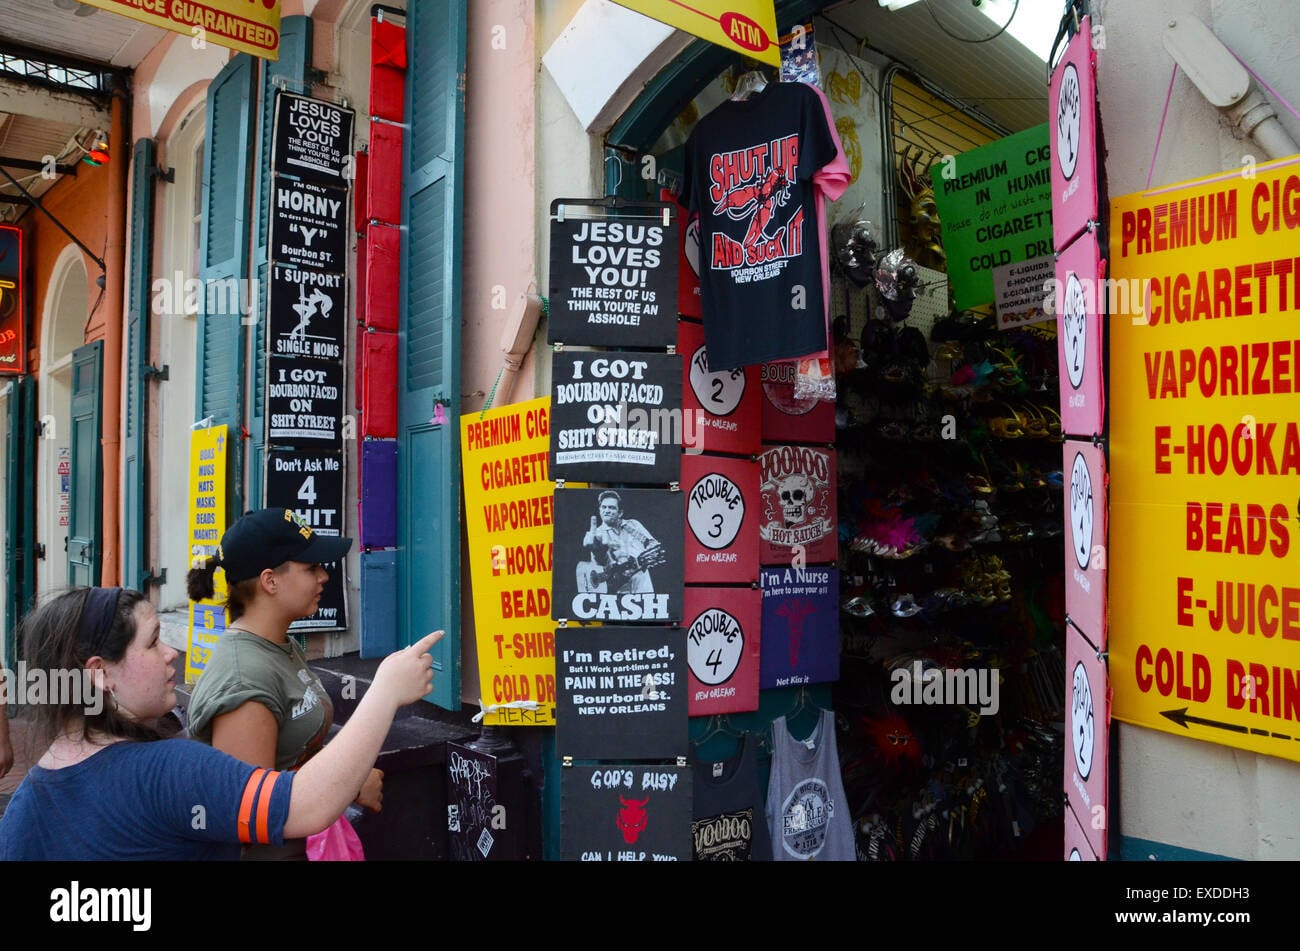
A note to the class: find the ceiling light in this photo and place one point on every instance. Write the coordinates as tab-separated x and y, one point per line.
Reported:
1032	24
890	4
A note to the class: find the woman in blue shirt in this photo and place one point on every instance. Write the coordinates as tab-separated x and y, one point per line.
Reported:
109	787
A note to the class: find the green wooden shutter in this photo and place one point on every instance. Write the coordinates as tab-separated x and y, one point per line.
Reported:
428	482
135	428
223	262
288	72
87	465
20	508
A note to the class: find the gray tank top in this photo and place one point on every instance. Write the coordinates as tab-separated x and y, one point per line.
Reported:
806	808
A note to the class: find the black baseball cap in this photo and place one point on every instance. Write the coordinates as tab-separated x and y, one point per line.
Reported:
267	538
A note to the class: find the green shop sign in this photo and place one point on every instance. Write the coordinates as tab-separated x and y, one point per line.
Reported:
995	203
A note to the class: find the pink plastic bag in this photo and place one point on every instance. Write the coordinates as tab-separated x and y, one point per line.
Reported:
338	843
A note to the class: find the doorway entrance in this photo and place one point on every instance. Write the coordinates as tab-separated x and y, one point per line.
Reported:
63	323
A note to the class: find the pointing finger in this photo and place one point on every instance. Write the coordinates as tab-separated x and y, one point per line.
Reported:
427	642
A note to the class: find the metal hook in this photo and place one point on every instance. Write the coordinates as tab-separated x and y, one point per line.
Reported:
618	183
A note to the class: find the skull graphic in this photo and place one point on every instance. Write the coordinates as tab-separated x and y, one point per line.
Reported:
796	492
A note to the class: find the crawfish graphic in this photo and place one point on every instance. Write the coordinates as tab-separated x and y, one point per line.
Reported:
760	200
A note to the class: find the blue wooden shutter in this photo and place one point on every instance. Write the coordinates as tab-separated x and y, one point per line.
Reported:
428	481
288	72
223	262
87	477
135	427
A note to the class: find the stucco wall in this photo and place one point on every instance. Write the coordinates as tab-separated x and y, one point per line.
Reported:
571	160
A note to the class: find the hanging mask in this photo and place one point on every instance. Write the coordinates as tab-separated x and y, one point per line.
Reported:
855	247
896	279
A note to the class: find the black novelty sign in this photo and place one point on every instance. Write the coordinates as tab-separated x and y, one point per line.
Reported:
309	224
625	813
306	313
304	402
621	692
618	555
613	279
616	417
313	139
310	482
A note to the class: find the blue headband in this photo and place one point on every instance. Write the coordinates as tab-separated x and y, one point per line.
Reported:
97	616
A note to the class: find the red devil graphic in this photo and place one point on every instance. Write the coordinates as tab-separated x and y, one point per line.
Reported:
632	818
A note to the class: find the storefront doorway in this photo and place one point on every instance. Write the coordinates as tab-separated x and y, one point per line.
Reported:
948	438
64	320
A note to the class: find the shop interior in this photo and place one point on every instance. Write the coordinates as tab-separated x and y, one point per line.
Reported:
948	438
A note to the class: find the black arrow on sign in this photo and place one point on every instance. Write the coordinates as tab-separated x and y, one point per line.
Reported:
1182	719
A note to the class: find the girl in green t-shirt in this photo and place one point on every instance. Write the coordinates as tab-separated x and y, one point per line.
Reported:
257	698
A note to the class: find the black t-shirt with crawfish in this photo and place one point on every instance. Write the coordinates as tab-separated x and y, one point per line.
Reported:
749	176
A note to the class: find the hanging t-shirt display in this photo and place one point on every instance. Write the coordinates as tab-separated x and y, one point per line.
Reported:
749	176
784	417
720	411
723	650
807	811
729	824
800	632
688	261
797	517
722	519
620	692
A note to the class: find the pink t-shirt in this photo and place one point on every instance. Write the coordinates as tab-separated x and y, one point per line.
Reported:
830	181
